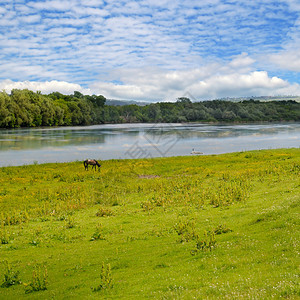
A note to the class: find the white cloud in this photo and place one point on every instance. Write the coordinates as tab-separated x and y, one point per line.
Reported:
52	5
235	85
45	87
242	60
208	82
30	18
288	60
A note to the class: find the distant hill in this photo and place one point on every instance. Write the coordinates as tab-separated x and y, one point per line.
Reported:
113	102
262	98
125	102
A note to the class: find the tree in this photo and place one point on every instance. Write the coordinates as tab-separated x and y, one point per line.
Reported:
154	113
184	100
98	101
5	115
228	115
78	95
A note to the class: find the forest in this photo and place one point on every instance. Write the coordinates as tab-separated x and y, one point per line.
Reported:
25	108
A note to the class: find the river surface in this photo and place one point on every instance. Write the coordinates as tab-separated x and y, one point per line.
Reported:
123	141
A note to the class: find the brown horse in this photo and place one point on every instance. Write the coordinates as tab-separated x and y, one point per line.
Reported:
91	162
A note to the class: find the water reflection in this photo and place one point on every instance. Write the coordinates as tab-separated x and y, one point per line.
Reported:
36	139
22	146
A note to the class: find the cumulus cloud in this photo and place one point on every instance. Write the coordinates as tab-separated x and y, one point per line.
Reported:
235	85
44	87
209	82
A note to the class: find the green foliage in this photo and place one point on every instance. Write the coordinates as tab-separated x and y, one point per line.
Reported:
11	276
4	237
13	217
26	108
98	234
69	222
220	229
104	212
106	281
155	201
186	230
39	280
229	191
206	243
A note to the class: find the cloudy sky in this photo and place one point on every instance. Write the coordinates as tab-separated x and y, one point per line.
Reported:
151	50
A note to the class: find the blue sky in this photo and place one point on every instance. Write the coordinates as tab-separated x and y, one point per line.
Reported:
151	50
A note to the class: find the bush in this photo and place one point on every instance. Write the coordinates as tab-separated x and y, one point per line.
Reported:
98	234
104	212
11	277
39	280
105	278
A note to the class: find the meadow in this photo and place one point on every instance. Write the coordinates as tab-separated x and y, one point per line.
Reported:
194	227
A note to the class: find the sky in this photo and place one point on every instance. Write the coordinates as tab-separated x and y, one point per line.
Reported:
151	50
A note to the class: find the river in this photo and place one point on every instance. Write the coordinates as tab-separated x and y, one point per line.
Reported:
122	141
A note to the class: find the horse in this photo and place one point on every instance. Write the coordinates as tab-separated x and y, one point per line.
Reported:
92	162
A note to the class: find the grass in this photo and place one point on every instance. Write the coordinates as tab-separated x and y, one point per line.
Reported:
206	227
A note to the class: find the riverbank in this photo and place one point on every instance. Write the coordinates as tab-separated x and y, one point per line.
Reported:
216	226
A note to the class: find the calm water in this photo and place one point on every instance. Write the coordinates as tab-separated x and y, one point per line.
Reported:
40	145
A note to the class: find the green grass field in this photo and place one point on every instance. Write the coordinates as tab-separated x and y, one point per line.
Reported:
204	227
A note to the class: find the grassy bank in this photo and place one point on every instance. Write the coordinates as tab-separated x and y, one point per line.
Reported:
223	226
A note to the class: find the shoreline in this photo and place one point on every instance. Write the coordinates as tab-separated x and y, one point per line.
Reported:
149	123
154	158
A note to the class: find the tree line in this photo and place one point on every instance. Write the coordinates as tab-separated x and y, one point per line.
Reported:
25	108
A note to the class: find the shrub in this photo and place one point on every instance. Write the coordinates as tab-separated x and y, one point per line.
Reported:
13	218
39	280
229	192
98	234
4	237
105	278
104	212
207	243
185	230
69	222
11	276
221	229
147	205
